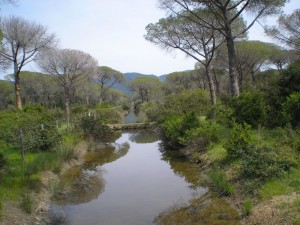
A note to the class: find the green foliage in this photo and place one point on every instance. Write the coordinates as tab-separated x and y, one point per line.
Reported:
265	163
186	102
291	109
247	206
219	182
2	160
188	129
239	141
33	108
37	124
78	108
249	108
290	80
96	129
26	203
66	152
108	115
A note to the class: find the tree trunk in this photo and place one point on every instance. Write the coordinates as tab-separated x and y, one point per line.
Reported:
87	100
212	90
67	108
17	90
217	82
234	86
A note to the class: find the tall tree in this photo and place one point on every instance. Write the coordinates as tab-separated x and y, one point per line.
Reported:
251	56
106	78
287	30
70	67
143	86
227	13
198	42
22	40
180	79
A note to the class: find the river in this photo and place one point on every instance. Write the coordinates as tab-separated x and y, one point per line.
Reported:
135	182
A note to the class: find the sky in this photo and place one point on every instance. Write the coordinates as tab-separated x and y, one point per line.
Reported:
112	31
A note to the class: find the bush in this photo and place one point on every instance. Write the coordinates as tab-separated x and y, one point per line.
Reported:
26	203
94	128
290	80
2	160
291	109
265	163
249	108
247	206
239	141
219	182
37	125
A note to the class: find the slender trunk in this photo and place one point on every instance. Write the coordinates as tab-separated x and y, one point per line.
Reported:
87	100
67	108
217	85
17	87
212	90
234	86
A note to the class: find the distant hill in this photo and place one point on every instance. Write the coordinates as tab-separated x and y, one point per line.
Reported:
131	76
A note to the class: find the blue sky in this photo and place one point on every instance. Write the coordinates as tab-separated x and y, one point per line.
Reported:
111	31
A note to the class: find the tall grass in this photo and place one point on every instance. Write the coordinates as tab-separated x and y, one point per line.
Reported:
219	182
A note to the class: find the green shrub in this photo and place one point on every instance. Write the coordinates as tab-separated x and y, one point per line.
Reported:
26	203
265	163
2	160
239	141
249	108
290	80
94	128
291	109
37	125
172	128
247	206
66	152
219	182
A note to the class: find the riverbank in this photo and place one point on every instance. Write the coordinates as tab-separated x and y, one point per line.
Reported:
40	198
268	201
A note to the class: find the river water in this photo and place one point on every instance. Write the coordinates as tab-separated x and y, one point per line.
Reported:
135	182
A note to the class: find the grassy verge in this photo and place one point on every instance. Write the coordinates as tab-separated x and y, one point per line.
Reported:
20	178
275	149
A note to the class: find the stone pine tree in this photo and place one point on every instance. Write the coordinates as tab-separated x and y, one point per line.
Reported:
106	78
227	13
287	30
198	42
70	68
22	40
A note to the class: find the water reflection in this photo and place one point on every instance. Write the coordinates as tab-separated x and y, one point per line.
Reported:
182	167
82	184
134	182
79	186
109	154
206	210
144	136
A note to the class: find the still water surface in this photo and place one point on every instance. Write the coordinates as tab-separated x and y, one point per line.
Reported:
135	183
